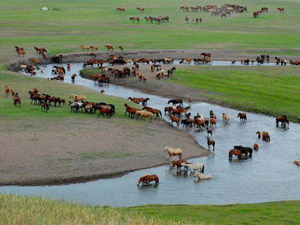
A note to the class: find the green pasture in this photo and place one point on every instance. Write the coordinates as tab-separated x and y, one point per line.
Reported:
96	22
269	90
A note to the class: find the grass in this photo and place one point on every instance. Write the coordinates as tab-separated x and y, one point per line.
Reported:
22	84
269	90
96	22
28	210
287	212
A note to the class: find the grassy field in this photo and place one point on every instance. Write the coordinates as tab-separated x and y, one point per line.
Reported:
96	22
22	84
270	90
25	210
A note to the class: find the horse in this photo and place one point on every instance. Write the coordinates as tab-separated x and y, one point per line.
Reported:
17	100
109	47
202	176
184	8
173	151
175	101
146	179
135	19
130	110
194	167
296	162
73	77
243	116
187	122
105	109
141	9
77	98
255	146
245	150
266	136
212	122
44	107
226	118
121	48
211	142
281	10
283	120
179	163
157	112
206	55
209	131
85	47
143	113
174	119
21	52
199	122
258	134
236	152
186	19
120	9
6	89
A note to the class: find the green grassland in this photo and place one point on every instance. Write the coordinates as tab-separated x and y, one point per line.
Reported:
269	90
22	84
28	210
96	22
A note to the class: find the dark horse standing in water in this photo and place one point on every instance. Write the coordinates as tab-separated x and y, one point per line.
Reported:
283	120
175	101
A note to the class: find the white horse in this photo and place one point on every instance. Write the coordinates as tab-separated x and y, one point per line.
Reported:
173	151
226	117
202	176
194	167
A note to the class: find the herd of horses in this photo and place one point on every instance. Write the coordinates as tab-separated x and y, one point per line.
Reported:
265	10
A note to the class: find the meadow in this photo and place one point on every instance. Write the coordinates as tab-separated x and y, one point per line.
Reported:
27	210
98	23
268	90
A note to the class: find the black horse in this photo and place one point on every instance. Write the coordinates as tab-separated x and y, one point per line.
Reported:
175	101
245	150
187	122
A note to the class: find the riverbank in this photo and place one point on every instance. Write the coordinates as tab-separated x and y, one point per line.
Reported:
271	91
29	211
61	147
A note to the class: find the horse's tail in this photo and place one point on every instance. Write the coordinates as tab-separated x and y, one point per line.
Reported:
202	170
230	155
160	113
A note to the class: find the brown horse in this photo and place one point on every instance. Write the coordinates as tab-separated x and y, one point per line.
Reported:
255	146
281	10
213	121
283	120
266	136
17	100
236	152
135	19
210	142
6	89
73	77
141	9
21	52
297	163
243	116
258	134
186	19
121	48
184	8
209	131
109	47
157	112
132	111
178	163
174	119
85	47
121	9
146	179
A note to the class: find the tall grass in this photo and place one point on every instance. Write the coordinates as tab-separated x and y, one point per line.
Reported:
28	211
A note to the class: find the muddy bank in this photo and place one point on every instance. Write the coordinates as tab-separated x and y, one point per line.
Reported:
53	152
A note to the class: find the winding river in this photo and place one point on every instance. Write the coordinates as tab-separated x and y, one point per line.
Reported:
268	176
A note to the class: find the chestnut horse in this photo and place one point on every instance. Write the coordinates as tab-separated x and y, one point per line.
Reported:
211	142
78	98
174	119
144	113
157	112
281	10
130	110
109	47
283	120
236	152
243	116
141	9
121	9
146	179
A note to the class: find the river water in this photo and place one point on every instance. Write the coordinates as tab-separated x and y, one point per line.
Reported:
269	175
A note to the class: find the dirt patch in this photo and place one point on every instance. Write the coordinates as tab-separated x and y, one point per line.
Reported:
69	151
